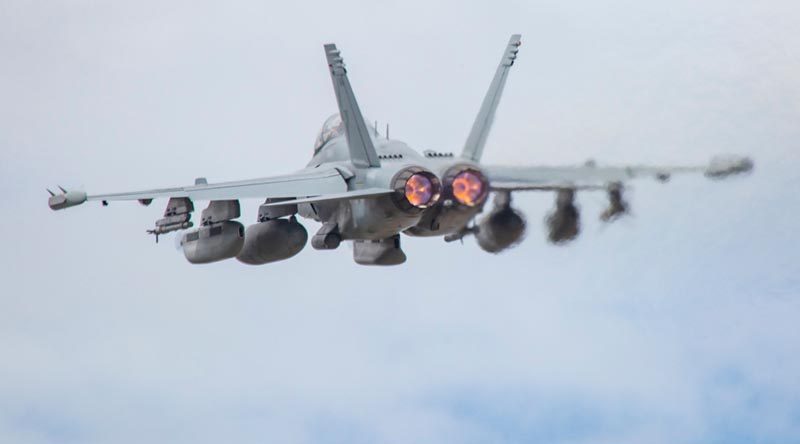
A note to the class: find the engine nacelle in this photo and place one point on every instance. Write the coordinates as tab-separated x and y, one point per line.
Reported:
564	222
213	243
503	228
272	240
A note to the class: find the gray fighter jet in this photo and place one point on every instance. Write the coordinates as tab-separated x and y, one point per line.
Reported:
367	188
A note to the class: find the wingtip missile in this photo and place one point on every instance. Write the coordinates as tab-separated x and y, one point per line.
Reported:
66	199
721	167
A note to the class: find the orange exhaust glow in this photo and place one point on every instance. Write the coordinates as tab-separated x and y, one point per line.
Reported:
419	190
468	188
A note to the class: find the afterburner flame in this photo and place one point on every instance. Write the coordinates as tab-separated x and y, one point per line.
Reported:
419	190
468	188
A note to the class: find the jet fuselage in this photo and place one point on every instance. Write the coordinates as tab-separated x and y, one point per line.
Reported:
380	218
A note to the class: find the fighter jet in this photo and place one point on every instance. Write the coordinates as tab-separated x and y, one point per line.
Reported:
366	188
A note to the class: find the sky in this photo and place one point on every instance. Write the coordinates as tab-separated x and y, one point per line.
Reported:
676	324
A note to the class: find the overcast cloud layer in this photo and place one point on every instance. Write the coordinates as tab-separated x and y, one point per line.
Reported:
676	325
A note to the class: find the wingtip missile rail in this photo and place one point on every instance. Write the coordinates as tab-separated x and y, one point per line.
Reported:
65	199
721	167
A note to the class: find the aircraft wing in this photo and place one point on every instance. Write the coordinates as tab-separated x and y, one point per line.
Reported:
591	176
303	184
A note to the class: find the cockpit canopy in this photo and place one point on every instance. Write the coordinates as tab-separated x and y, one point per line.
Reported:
333	128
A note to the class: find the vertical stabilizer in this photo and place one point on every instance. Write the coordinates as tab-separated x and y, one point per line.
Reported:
473	148
362	150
